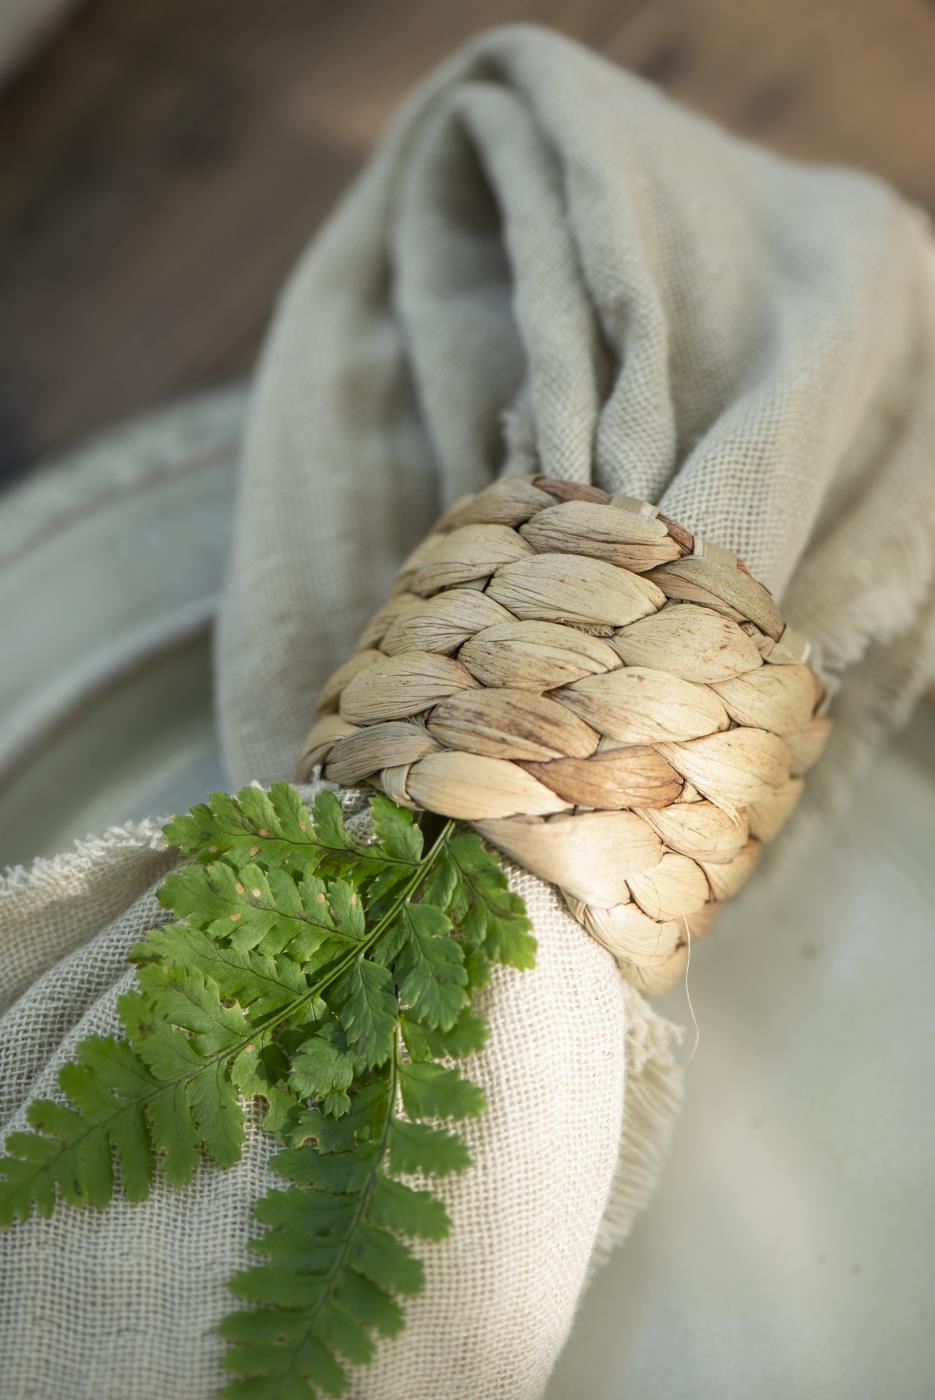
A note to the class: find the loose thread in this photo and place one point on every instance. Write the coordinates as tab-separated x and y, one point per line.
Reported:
688	995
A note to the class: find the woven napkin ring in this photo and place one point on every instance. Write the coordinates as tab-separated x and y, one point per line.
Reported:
613	703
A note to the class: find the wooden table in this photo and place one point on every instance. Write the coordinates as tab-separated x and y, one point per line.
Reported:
162	162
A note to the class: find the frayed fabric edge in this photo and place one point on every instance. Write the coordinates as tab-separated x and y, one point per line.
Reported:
654	1091
45	872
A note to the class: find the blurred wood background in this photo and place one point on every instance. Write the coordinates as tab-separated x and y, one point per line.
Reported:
162	162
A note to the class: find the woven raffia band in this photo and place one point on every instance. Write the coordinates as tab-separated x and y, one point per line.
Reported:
613	703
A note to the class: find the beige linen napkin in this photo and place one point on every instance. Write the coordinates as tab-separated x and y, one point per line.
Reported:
546	265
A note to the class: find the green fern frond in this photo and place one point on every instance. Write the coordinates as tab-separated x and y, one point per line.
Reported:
274	827
342	1232
258	982
332	979
166	1107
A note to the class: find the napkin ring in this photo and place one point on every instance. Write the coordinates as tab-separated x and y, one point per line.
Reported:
612	702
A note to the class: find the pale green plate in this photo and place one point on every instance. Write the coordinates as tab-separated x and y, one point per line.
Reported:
788	1254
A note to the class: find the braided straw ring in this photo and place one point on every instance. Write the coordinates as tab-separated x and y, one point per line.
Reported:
613	703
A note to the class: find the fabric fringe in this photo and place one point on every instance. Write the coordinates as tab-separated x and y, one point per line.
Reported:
655	1085
46	873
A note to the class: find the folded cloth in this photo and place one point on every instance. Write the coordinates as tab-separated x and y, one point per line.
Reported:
549	266
546	266
125	1303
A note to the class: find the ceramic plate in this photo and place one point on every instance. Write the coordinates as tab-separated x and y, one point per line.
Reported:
788	1251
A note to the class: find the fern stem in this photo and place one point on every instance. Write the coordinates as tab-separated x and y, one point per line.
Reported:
367	944
230	1053
343	1259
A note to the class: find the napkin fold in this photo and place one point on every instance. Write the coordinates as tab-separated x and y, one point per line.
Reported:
548	266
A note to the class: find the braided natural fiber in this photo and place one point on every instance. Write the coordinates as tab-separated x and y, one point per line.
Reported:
612	702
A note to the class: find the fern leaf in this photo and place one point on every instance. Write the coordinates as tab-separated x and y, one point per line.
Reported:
366	1005
252	909
365	1300
466	1037
360	1125
259	983
70	1149
165	1096
337	1249
432	1091
430	967
173	1128
324	1068
387	1262
329	822
217	1114
397	834
416	1147
257	1072
275	827
406	1211
491	914
192	1001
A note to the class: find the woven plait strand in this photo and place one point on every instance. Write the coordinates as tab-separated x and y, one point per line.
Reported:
613	703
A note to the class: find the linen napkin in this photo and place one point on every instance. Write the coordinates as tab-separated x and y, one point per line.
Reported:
545	266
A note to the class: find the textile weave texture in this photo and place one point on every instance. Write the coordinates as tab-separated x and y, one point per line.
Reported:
125	1303
545	266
